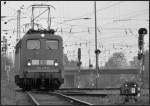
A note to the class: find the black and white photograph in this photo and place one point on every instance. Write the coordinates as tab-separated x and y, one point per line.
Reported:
74	53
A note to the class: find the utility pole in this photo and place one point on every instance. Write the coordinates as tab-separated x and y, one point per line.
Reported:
96	50
18	24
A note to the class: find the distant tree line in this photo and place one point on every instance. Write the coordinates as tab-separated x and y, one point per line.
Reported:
118	60
69	63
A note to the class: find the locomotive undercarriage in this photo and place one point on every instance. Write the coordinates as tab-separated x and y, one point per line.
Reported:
40	84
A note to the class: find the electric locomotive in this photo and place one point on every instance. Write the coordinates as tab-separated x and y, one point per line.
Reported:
39	60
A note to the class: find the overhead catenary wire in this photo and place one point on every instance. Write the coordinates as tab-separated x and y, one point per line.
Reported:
101	9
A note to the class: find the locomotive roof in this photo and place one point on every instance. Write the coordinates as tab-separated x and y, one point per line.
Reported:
48	34
34	34
37	35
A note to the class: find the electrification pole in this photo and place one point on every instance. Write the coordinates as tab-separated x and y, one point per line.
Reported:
18	25
96	50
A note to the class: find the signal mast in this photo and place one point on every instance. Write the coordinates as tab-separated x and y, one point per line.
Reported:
142	32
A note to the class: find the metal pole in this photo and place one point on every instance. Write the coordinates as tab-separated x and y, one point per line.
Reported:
142	65
49	18
18	24
79	77
142	32
32	19
96	44
79	65
6	58
4	52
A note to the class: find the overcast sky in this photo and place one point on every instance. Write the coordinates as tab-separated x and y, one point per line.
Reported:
117	22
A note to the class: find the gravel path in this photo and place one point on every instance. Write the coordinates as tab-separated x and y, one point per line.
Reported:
114	100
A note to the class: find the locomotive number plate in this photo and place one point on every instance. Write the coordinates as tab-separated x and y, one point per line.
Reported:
42	62
43	68
46	62
50	62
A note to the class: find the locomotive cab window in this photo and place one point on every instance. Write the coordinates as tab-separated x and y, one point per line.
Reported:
33	44
51	44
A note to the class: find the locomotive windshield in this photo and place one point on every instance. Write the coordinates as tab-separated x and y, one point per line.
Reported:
33	44
51	44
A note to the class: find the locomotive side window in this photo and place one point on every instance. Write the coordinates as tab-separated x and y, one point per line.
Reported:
33	44
51	44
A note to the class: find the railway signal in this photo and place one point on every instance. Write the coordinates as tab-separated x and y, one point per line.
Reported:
4	2
79	57
5	22
142	32
4	48
79	54
79	64
90	65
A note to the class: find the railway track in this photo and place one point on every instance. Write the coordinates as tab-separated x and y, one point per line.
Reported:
54	98
76	97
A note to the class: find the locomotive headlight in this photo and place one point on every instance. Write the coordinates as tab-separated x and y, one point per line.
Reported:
134	85
56	64
29	64
42	35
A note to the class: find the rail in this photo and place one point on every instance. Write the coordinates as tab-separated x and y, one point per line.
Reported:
32	98
74	99
49	97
